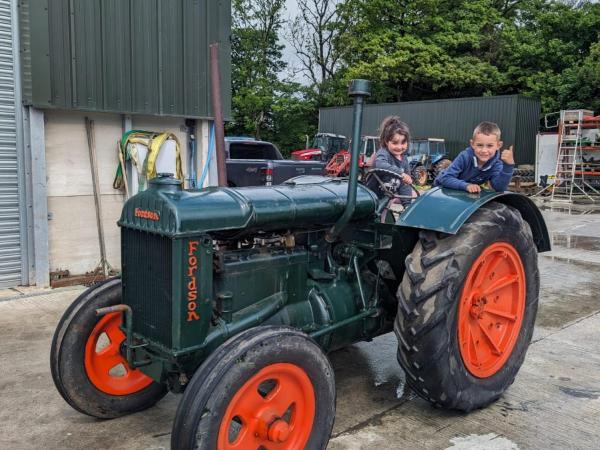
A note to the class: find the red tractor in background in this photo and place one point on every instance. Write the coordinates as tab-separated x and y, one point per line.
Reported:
323	147
339	165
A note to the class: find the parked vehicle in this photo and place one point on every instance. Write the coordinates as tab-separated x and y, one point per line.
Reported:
323	147
339	164
234	296
258	163
427	159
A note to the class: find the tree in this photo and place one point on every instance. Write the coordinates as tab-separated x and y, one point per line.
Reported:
415	50
312	35
256	61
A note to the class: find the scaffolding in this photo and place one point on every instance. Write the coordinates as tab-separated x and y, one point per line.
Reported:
577	173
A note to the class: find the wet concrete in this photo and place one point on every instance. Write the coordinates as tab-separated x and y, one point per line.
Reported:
579	242
554	402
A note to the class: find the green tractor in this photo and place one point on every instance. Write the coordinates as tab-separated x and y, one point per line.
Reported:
234	296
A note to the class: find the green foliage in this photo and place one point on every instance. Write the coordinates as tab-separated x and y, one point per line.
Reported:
431	49
411	50
263	105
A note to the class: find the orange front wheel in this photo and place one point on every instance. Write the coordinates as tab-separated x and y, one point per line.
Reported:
268	387
104	362
87	363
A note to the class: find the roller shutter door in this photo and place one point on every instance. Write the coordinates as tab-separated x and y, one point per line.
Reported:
10	230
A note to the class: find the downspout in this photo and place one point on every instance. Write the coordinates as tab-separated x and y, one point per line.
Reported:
215	82
360	90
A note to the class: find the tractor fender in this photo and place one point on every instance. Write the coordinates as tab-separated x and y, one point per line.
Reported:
446	210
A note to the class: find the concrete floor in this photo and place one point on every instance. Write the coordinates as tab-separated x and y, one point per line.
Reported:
554	402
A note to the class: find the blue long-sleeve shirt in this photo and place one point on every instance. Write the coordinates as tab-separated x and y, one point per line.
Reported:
464	171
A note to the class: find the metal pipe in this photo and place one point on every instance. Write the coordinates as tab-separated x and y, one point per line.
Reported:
349	320
360	90
190	127
215	83
128	327
359	281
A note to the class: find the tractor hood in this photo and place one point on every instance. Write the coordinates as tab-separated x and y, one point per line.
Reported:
303	202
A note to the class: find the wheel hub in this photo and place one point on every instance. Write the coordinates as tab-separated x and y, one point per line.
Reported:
491	309
279	431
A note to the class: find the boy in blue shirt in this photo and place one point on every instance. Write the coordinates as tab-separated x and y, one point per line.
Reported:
480	162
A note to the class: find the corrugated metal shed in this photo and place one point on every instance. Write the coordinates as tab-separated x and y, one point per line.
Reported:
451	119
127	56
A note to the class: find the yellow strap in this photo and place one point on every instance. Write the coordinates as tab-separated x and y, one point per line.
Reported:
154	148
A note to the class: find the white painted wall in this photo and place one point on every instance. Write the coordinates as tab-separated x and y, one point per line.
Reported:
546	154
72	230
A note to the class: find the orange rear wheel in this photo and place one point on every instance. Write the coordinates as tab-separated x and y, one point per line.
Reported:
273	409
466	308
105	366
491	309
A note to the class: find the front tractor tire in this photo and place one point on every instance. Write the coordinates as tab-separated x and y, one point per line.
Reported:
269	387
86	360
466	309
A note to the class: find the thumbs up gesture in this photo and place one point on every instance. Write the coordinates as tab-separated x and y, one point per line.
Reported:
507	156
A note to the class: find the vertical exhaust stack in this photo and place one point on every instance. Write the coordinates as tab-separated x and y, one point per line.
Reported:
360	90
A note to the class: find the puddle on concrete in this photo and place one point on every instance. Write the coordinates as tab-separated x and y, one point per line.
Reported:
590	243
569	291
375	364
573	211
490	441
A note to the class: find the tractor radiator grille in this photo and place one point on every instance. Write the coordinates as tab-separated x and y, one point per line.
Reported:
147	283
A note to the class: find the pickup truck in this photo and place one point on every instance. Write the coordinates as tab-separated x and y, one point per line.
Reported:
258	163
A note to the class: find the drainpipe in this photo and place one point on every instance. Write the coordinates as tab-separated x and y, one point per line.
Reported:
360	90
215	81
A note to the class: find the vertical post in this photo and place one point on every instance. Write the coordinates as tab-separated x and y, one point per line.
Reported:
39	192
215	82
360	90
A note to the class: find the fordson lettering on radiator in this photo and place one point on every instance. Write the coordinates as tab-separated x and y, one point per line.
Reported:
192	288
145	214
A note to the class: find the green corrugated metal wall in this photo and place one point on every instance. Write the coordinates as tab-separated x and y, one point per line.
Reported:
451	119
127	56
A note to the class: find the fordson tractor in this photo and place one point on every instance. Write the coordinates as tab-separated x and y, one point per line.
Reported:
234	296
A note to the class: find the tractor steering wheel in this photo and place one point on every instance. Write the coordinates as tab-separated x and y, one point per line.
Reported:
386	184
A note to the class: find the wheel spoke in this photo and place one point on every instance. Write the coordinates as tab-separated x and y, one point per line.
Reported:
495	349
110	350
501	283
479	278
477	344
283	396
107	362
503	314
472	343
115	334
250	405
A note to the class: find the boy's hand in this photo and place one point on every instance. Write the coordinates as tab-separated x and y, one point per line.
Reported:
406	178
507	156
473	188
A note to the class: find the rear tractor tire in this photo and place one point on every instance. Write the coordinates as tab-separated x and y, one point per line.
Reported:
442	164
466	309
270	387
420	176
87	364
